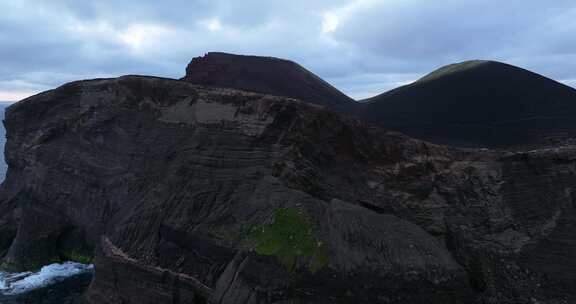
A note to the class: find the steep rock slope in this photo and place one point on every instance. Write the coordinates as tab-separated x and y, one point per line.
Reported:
3	166
265	75
187	194
479	104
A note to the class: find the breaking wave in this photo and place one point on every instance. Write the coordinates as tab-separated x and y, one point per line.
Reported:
18	283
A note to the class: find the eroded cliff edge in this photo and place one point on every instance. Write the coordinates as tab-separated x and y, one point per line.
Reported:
187	194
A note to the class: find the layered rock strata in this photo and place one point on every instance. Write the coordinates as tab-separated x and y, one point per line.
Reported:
189	194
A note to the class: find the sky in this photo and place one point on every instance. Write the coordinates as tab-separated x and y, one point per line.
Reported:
363	47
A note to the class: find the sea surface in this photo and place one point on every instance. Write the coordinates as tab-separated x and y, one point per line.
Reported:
52	284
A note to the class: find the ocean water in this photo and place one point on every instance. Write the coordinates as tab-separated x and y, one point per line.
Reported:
23	282
52	284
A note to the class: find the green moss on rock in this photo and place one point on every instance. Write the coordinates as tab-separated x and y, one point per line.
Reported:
77	257
292	238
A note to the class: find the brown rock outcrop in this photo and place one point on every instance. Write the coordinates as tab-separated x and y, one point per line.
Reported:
266	75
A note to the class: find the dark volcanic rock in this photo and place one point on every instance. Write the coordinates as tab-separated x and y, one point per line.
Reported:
480	104
190	194
265	75
3	166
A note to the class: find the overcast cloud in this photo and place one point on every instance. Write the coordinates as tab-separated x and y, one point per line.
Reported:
363	47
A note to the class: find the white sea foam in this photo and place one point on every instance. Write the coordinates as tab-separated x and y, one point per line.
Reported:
17	283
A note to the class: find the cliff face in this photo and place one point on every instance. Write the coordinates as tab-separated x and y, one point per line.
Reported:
187	194
3	166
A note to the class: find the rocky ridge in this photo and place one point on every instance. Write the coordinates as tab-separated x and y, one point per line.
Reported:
477	103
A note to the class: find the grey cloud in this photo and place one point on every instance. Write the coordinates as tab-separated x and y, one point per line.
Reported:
428	33
375	46
242	14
